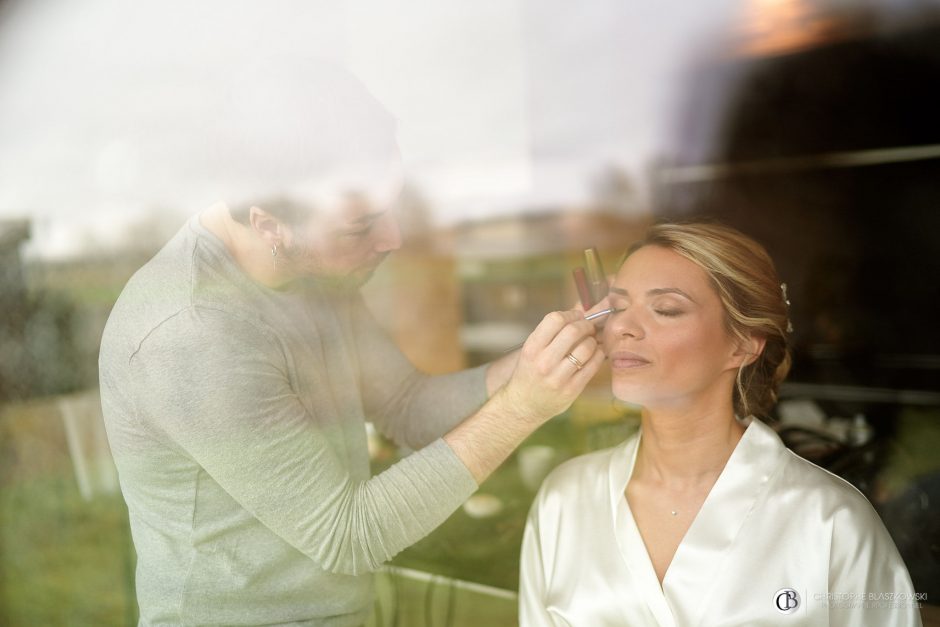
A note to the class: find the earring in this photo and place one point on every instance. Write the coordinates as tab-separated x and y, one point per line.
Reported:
274	255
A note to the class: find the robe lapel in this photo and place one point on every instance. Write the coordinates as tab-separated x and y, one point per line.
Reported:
629	540
702	554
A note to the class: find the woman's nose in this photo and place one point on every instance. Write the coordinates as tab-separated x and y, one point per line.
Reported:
624	323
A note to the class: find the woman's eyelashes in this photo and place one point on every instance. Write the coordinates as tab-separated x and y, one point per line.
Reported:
667	311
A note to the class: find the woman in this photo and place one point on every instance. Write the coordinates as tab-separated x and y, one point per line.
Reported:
703	518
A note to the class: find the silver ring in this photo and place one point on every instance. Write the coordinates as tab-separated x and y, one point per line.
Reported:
577	362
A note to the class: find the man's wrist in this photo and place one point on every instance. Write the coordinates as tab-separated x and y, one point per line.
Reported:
499	371
484	440
512	409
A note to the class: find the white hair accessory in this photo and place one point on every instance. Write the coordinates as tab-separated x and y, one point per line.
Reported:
786	300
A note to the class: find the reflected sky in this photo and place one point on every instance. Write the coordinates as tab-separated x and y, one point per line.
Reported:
502	106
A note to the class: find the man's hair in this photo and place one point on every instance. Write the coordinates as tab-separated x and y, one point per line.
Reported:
288	128
744	277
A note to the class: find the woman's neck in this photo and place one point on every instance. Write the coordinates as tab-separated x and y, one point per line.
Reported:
685	448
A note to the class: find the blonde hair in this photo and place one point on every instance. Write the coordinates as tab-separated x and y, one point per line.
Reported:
753	298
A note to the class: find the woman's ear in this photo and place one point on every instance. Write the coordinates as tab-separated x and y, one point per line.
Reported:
749	349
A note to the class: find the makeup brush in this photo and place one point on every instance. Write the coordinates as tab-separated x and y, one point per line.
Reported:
593	316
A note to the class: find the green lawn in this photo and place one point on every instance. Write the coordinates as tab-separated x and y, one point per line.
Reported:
63	560
69	561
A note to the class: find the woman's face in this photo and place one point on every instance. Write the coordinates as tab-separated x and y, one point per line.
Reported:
669	346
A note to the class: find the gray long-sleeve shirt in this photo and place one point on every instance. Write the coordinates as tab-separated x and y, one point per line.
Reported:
236	416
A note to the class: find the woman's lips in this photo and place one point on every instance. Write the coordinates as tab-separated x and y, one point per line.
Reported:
625	359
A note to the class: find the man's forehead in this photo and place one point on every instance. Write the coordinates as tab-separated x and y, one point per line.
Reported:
353	209
349	200
361	211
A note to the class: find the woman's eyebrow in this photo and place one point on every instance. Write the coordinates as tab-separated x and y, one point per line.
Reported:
669	290
654	292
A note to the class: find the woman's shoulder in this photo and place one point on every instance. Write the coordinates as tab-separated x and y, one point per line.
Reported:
796	479
861	552
827	494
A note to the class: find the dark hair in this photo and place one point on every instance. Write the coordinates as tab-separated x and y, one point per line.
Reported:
288	211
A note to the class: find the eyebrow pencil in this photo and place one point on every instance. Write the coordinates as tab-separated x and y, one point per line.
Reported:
593	316
602	312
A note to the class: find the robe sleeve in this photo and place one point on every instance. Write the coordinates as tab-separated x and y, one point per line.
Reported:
532	612
868	581
408	406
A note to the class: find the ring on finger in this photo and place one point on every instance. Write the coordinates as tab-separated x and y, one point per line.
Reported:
577	362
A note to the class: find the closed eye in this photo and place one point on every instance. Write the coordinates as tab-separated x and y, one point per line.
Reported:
360	232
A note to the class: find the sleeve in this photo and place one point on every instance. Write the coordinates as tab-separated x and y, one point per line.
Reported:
219	388
406	405
866	572
532	612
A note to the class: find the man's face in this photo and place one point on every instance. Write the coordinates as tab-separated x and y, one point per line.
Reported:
347	242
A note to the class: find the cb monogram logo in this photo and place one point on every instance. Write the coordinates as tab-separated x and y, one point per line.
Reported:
786	600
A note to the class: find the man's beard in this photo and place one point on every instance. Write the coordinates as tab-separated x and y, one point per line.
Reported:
304	261
361	275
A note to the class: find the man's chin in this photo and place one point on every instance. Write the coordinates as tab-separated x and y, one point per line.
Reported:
362	275
360	278
353	280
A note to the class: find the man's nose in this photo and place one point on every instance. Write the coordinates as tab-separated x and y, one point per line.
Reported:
387	233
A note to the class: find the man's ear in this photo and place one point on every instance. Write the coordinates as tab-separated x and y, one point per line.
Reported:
271	230
749	350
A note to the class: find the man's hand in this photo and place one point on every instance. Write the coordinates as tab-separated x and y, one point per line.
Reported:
555	364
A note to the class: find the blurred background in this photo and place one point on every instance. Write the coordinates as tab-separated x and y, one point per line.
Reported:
529	131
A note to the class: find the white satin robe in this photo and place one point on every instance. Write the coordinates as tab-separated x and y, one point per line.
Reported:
772	521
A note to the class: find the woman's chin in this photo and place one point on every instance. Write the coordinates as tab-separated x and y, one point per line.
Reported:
628	394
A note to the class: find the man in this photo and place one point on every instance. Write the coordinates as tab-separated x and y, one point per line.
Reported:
239	366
